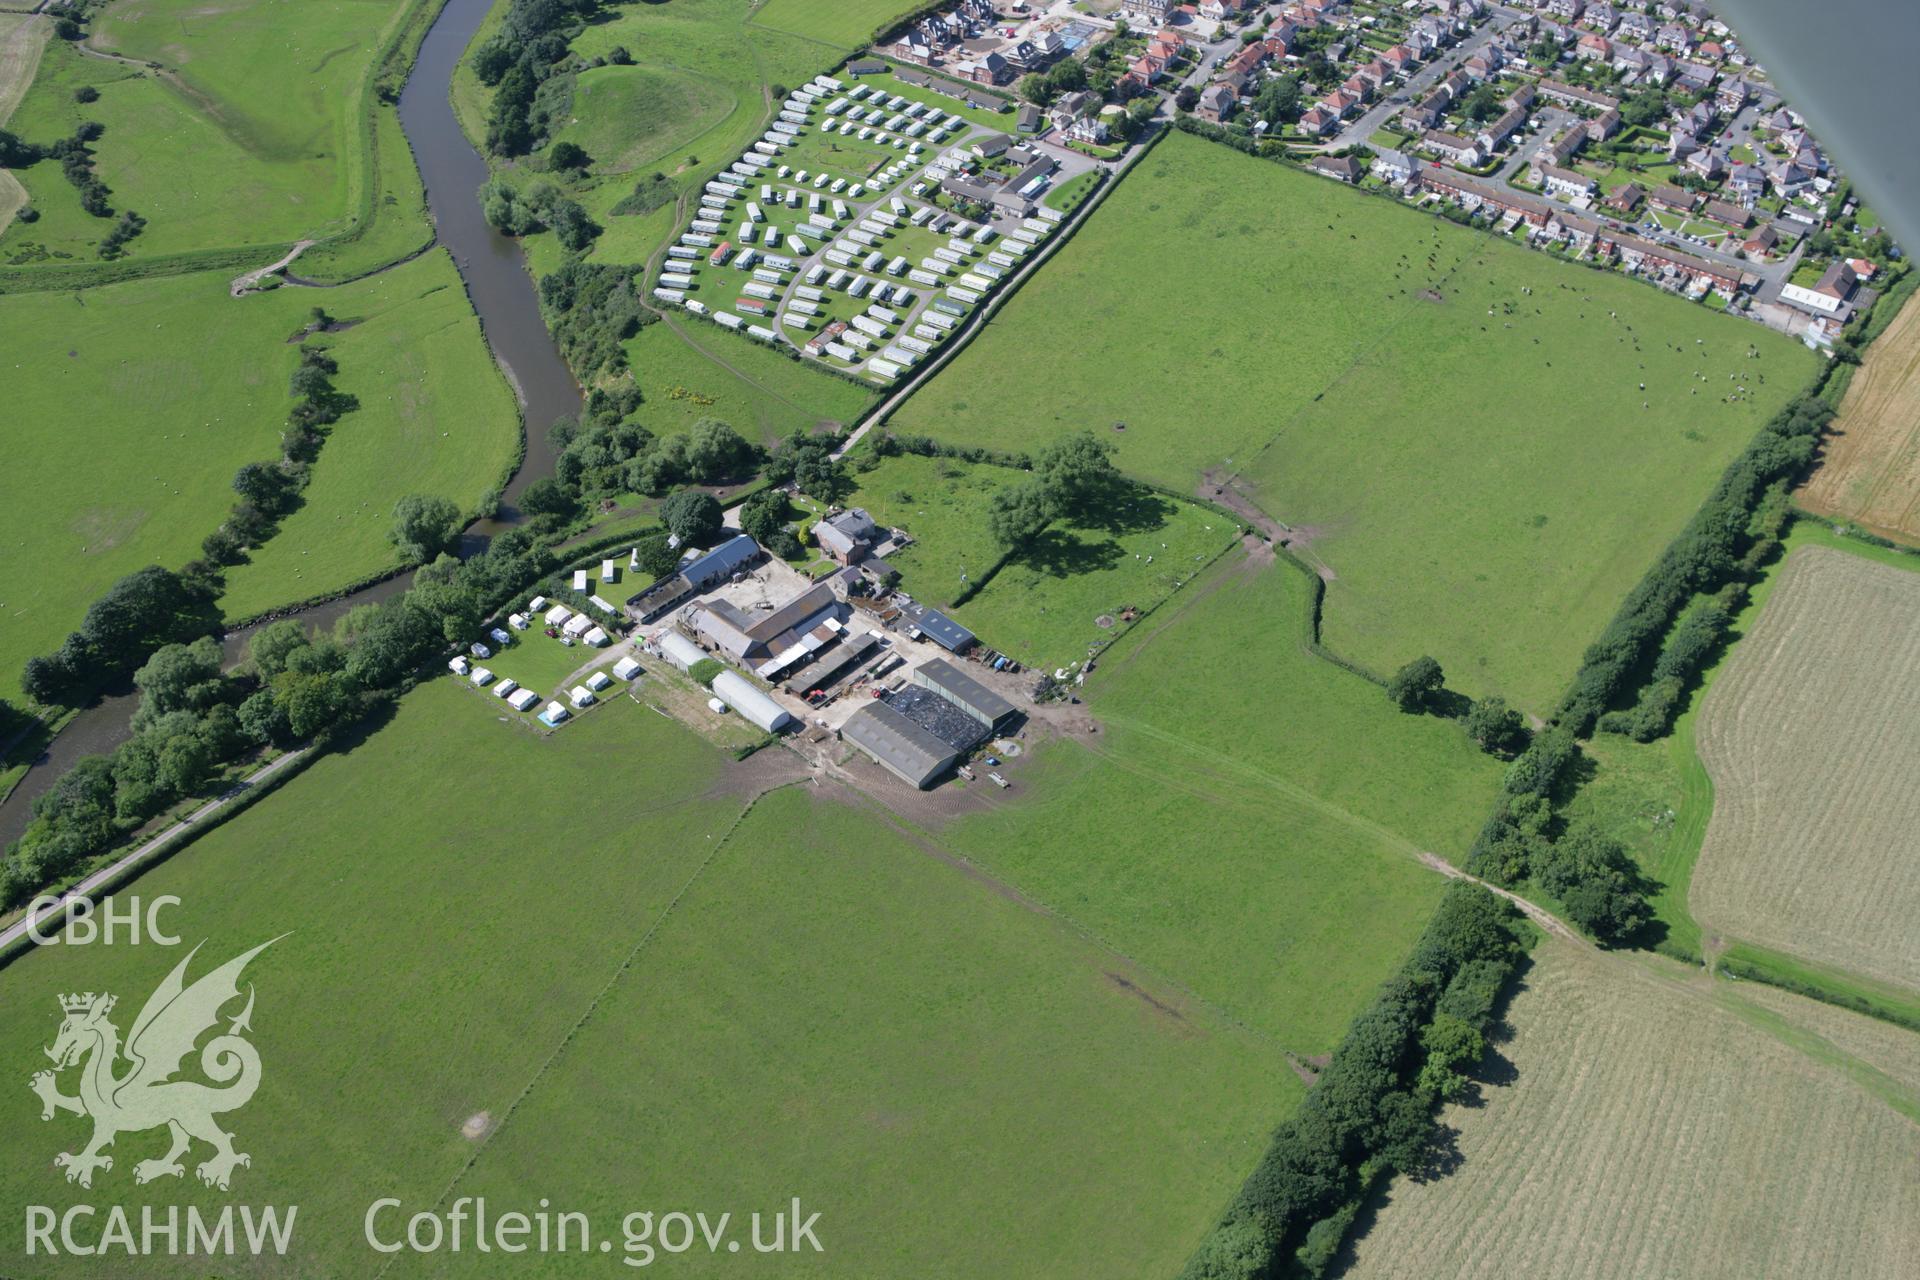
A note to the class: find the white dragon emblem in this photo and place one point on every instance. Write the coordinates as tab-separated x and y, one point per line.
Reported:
145	1095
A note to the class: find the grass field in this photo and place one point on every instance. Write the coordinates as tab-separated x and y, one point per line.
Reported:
686	1037
989	1066
247	135
630	117
1050	603
1247	818
435	417
1452	480
130	422
23	38
1869	470
845	24
1810	736
700	371
1641	1135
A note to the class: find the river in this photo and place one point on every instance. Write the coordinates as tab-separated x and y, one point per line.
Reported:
504	298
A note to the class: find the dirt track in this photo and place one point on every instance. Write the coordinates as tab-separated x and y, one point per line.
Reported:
1870	468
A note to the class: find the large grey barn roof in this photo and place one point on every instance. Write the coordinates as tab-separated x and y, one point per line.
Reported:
986	705
897	743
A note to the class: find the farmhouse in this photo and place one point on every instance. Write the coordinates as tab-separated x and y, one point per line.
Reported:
847	536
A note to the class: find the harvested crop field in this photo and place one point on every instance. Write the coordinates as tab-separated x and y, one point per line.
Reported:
1812	738
1870	469
1643	1135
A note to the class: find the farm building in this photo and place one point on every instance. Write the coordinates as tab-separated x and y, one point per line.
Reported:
847	535
753	705
679	650
898	745
774	636
961	689
942	630
697	574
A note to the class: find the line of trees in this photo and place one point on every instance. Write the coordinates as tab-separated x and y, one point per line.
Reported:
1733	533
77	165
1371	1113
194	720
271	491
592	308
1591	874
517	60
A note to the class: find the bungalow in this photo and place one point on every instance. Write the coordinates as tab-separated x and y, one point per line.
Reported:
1029	119
1674	199
1339	168
991	146
1731	214
1566	183
1694	77
1216	103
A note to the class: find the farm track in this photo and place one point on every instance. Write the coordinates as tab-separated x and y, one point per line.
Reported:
1869	468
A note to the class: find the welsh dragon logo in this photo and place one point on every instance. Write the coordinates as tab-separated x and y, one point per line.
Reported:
146	1095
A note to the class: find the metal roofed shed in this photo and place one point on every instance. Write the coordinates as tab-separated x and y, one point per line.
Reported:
961	689
898	745
943	631
945	720
753	705
679	650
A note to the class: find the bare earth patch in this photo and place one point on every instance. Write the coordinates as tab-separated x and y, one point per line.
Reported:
477	1126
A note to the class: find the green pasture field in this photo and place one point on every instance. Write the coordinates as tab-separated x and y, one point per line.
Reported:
1447	466
413	988
130	422
690	370
628	118
845	24
708	960
842	156
435	416
1043	605
1247	819
245	136
1071	1078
